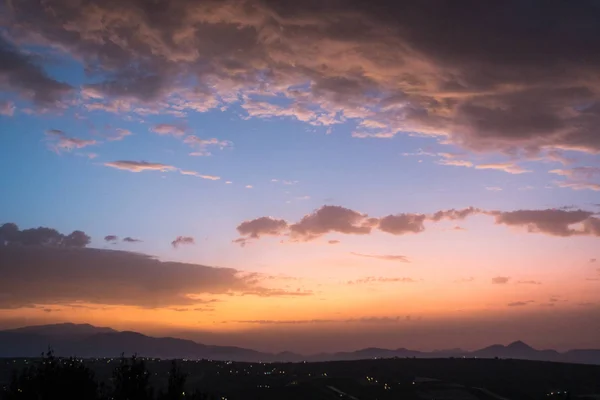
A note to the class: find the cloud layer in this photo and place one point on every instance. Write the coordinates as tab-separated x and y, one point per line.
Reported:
337	219
43	275
495	82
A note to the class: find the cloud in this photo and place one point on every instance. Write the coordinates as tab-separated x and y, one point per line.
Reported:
198	175
551	221
131	240
579	178
456	163
139	166
241	241
493	188
519	303
373	279
500	280
7	108
11	235
182	240
59	141
454	214
400	224
465	280
20	72
511	168
120	134
202	145
578	185
262	226
267	292
487	86
578	172
58	276
399	258
111	238
284	322
592	260
330	219
333	241
529	282
168	129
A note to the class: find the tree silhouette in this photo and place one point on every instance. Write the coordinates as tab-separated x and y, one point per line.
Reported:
131	380
52	378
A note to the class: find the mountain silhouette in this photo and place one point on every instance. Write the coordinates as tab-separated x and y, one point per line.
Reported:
88	341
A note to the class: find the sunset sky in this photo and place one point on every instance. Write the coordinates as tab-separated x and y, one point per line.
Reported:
306	176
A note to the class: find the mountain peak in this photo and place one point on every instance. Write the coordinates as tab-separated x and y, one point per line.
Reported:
519	345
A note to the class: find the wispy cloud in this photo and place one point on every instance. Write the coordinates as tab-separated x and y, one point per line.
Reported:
140	166
385	257
59	141
202	145
120	134
500	280
520	303
374	279
199	175
511	168
7	108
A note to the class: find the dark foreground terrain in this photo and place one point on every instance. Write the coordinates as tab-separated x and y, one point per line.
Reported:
407	378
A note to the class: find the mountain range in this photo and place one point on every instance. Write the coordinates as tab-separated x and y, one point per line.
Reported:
87	341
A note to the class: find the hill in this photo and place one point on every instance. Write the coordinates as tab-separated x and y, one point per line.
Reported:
93	342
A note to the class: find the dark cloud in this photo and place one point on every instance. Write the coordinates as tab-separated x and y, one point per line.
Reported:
400	224
592	260
139	166
331	219
495	81
241	241
179	240
43	275
453	214
327	219
551	221
520	303
500	280
384	257
333	241
262	226
21	72
11	236
111	238
131	240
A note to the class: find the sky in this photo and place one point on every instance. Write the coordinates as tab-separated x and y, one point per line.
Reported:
307	176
